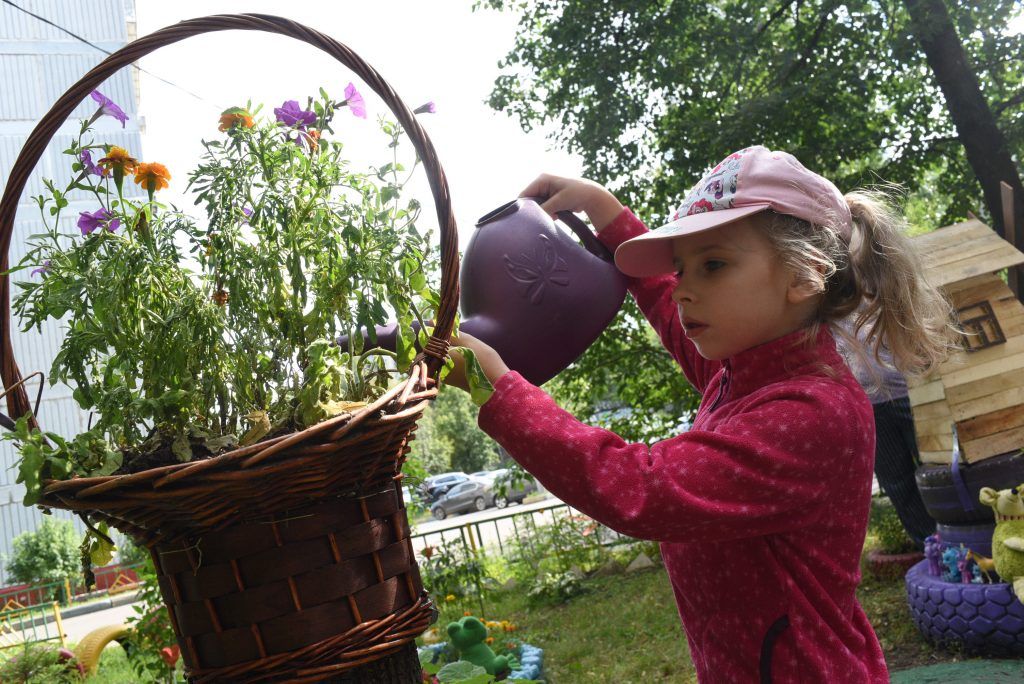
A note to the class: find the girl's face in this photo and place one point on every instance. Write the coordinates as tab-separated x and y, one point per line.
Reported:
734	292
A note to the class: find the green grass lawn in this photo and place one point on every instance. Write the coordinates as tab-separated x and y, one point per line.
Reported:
626	629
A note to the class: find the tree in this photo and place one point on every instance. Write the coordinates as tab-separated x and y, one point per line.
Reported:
651	93
447	438
48	555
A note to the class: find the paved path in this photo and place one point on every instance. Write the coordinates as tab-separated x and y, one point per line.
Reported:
78	627
966	672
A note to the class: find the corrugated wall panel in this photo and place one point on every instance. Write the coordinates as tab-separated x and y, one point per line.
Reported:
20	75
30	84
99	21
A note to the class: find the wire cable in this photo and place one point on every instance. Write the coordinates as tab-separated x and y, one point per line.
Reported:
107	52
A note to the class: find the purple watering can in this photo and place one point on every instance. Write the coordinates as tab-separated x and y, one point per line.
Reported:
531	291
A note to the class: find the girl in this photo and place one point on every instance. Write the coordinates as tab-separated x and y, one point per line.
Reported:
761	508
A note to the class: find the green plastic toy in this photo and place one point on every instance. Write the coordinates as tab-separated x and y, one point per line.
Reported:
1008	538
468	636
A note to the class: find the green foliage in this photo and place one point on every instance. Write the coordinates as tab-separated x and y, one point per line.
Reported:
885	525
151	628
453	571
570	545
37	663
185	339
650	94
448	437
49	554
555	589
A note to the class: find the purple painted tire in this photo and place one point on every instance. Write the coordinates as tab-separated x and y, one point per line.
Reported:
977	538
981	619
939	492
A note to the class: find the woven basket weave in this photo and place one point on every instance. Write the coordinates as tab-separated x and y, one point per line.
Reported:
289	559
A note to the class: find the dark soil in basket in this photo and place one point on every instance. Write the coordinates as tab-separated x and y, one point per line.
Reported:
136	461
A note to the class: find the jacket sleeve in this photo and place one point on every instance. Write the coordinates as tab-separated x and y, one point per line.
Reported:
654	297
763	471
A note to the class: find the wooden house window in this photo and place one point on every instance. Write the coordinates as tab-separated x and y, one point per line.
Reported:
981	327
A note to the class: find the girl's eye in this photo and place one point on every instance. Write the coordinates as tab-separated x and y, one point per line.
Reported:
713	264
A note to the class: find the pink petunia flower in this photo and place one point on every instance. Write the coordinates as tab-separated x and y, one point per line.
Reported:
89	222
108	107
354	101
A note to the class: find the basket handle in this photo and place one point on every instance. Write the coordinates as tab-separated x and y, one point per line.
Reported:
436	348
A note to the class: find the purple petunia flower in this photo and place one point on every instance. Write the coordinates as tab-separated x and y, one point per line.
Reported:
429	108
290	114
248	213
44	269
85	156
87	222
108	107
355	101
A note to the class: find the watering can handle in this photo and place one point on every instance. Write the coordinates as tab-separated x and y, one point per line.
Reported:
590	241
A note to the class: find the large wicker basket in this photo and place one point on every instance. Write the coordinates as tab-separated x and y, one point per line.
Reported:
289	559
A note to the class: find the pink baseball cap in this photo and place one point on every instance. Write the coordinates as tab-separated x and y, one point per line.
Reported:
747	182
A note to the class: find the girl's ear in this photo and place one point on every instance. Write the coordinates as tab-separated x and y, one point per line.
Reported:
801	288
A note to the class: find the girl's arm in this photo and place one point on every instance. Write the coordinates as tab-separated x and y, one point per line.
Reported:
614	225
768	470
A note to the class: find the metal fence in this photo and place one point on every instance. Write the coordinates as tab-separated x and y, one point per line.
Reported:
31	624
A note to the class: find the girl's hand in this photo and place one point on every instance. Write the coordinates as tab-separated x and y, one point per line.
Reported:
575	194
489	360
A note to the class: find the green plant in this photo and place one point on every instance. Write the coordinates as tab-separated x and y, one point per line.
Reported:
452	571
555	588
151	631
885	525
186	337
50	554
39	663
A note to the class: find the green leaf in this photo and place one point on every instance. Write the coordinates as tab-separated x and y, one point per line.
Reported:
480	388
460	671
181	447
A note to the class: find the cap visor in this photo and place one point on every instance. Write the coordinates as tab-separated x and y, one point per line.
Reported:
651	254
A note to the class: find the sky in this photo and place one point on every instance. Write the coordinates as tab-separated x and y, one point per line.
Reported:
428	50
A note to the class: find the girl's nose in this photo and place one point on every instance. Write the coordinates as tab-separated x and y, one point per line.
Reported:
682	292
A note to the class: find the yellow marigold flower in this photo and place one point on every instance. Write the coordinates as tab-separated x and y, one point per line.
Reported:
235	116
152	176
449	598
118	159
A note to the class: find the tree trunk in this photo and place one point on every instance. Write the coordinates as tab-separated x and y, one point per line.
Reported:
985	145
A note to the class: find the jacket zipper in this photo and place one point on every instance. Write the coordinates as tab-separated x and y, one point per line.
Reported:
721	388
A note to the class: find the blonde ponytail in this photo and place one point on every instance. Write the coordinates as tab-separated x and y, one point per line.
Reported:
874	289
906	314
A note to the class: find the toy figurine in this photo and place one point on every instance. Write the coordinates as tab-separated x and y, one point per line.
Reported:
1008	538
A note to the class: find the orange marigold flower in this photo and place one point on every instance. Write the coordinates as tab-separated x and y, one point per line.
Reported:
118	159
489	640
152	176
235	116
313	138
466	613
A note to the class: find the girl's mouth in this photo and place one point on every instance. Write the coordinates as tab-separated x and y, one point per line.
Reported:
693	329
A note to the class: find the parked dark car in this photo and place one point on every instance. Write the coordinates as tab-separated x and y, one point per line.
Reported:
433	487
501	491
470	495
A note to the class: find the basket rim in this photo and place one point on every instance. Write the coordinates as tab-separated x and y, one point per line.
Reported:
436	349
401	397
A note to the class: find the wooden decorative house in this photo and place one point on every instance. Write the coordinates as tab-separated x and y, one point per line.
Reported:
979	390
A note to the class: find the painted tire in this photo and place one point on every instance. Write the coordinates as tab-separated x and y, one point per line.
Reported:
935	482
977	538
981	619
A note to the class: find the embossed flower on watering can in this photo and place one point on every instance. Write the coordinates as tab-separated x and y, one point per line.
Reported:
534	273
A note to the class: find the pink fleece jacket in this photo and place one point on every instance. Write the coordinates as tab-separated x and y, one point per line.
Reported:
761	508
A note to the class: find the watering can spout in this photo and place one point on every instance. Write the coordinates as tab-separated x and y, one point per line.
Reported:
532	292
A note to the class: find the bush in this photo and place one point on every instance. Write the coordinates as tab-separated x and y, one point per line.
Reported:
887	528
38	663
50	554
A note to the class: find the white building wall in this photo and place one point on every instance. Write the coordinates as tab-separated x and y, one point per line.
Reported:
37	64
